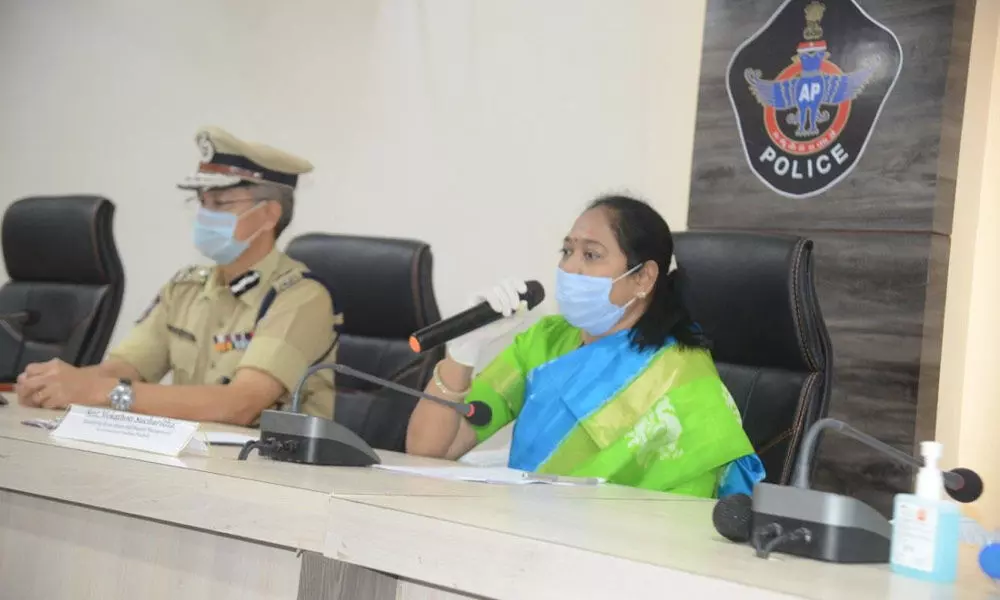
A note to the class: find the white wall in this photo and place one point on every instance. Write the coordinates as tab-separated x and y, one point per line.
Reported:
480	126
968	407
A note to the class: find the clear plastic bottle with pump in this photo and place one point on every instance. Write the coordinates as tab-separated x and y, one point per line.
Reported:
926	525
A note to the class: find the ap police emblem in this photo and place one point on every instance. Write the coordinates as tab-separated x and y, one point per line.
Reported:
807	89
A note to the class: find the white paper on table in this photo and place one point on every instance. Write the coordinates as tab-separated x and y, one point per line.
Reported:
486	458
196	446
225	438
203	440
109	427
491	475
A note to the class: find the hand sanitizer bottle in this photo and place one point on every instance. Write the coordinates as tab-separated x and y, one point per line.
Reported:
925	526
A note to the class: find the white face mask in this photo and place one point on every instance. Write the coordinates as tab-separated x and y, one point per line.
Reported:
214	235
585	300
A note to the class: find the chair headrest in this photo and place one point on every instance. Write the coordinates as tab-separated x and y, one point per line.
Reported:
750	293
59	239
382	286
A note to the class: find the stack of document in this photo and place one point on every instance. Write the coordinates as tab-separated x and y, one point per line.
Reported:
491	475
486	458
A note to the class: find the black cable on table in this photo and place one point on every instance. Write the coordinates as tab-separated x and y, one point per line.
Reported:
269	445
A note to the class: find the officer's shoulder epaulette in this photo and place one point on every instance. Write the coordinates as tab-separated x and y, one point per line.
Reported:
284	281
287	279
195	274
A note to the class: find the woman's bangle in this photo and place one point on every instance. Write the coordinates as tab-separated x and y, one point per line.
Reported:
441	386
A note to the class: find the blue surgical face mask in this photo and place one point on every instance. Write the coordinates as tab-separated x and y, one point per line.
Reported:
214	235
585	301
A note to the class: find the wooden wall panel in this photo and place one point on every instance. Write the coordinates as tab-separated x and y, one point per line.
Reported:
879	233
893	186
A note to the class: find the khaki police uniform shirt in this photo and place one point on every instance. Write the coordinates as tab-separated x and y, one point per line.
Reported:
204	333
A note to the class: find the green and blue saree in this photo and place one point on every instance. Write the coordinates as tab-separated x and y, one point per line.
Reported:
658	419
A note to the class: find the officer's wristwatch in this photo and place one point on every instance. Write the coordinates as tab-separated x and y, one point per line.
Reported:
121	396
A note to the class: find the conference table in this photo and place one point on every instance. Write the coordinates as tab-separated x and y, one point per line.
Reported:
85	521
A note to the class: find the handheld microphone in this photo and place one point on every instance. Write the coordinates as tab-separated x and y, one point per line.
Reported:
468	320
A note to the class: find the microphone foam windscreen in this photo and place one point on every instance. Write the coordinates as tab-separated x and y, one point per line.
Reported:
971	489
732	517
481	415
534	295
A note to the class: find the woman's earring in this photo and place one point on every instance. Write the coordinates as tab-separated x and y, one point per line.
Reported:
642	294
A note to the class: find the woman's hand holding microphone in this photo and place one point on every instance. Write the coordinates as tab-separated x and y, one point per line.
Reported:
453	375
504	298
436	430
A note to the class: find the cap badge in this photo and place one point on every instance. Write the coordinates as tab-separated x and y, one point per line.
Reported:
206	148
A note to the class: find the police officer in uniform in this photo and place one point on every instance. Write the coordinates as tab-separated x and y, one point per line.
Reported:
237	336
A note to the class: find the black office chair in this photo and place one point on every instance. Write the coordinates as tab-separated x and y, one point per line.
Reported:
384	289
64	270
755	298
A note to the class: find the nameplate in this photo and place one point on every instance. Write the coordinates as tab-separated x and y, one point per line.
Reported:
148	433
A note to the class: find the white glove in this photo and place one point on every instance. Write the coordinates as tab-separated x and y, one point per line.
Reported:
505	299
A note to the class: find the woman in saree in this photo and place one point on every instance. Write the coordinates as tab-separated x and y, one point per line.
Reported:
620	385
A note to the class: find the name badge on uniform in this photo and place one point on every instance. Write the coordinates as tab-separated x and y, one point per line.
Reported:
224	342
187	335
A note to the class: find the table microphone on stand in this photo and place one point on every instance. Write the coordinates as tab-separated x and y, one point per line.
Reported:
292	436
804	522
